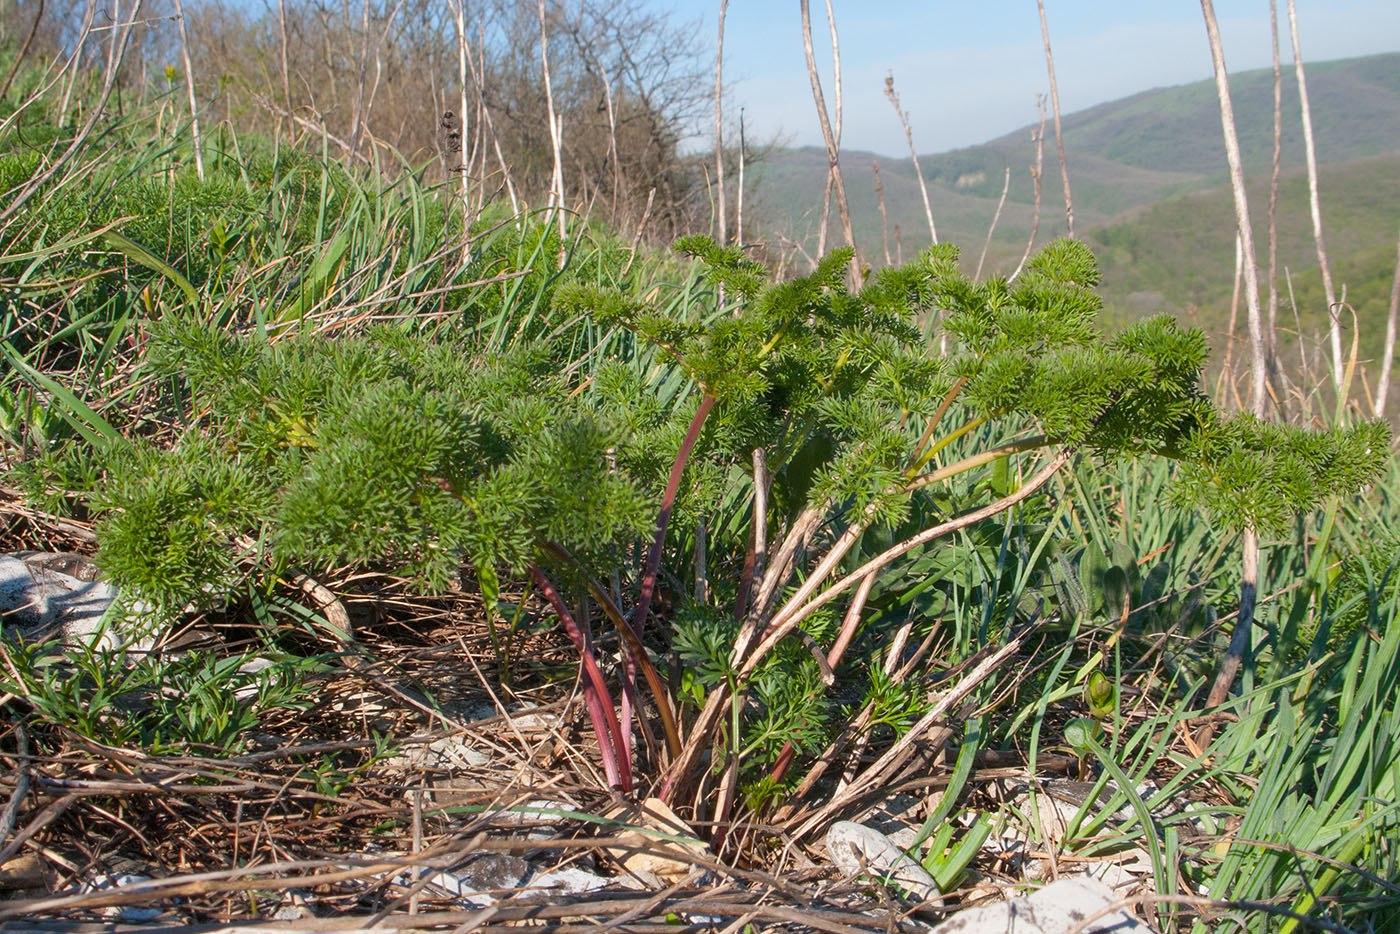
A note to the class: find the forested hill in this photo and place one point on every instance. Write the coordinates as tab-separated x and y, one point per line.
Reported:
1122	155
1147	174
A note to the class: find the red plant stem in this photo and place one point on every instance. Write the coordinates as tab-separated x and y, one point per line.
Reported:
668	500
653	566
741	602
617	767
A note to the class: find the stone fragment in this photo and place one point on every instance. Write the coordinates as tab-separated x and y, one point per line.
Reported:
484	879
857	849
1058	908
38	603
639	850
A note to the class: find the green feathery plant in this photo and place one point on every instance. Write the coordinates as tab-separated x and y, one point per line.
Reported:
829	405
815	452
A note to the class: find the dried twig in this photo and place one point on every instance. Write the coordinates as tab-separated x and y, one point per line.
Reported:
1005	187
1038	137
719	127
1055	108
1388	354
1334	332
24	48
120	40
833	154
913	153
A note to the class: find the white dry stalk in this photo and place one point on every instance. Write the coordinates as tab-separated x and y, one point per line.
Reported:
1334	326
379	69
798	608
1055	108
719	126
75	61
120	39
1038	137
595	64
760	511
463	65
880	200
24	49
828	134
1250	545
913	155
1388	355
1271	323
189	87
478	72
946	702
357	125
739	189
1257	395
1005	187
286	71
556	132
1226	368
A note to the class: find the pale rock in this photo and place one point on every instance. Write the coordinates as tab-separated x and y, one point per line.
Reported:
39	603
450	754
657	828
482	880
857	849
1057	908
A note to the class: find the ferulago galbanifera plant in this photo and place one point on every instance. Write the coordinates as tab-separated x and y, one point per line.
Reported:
811	455
834	407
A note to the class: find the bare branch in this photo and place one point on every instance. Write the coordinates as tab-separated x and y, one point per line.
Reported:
913	153
1388	354
1334	327
1055	108
719	125
832	146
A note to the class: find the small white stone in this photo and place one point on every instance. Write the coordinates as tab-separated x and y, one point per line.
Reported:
857	849
1055	909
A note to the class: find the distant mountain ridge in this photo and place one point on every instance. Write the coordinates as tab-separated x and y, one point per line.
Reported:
1122	156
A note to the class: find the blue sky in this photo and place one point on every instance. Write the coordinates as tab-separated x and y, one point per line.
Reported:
970	71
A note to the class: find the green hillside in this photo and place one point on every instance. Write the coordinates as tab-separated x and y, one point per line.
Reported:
1178	255
1123	156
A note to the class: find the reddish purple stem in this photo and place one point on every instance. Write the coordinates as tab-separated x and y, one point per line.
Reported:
653	566
617	764
673	485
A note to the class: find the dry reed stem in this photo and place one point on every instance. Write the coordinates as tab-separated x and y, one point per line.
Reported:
1226	370
1038	136
73	61
556	130
719	127
189	87
880	200
803	603
739	189
913	155
1055	108
1388	354
1258	369
1271	323
833	155
1334	332
1005	187
992	660
120	39
23	50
